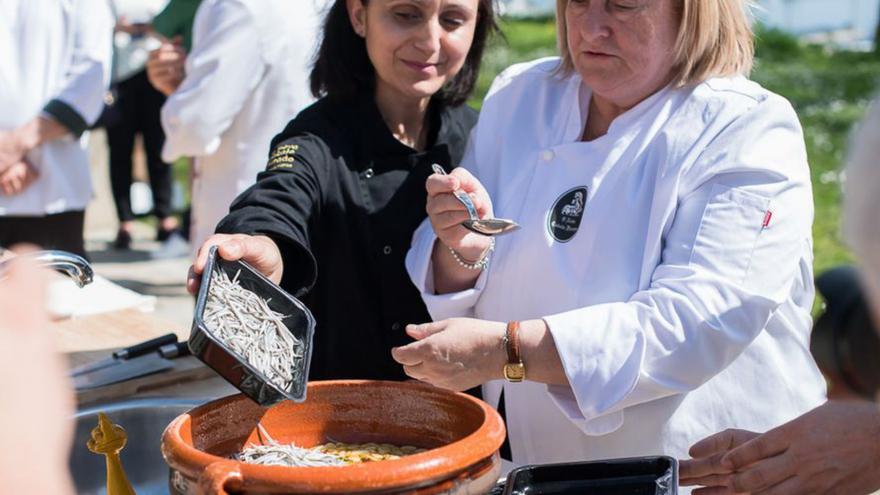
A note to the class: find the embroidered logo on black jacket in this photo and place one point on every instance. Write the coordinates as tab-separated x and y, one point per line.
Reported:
282	156
565	217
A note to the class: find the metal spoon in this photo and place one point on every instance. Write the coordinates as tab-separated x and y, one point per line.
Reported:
486	226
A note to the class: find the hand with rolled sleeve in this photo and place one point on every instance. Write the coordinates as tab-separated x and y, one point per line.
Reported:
17	178
11	150
833	449
166	67
261	252
446	213
461	353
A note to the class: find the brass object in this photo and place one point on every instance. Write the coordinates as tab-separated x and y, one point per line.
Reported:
514	369
108	439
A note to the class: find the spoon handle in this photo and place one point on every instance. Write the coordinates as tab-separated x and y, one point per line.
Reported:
460	195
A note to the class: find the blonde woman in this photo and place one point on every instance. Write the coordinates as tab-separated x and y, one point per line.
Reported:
676	301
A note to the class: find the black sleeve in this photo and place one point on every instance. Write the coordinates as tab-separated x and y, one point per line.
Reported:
284	203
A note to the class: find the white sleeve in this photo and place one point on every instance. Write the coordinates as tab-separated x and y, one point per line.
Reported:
418	260
221	72
722	275
80	100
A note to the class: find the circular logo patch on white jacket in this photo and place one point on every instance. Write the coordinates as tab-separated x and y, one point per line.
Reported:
564	218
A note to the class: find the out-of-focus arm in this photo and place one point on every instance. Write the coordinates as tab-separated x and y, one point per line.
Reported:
79	102
221	72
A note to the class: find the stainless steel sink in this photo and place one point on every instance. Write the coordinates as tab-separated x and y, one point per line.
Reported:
144	420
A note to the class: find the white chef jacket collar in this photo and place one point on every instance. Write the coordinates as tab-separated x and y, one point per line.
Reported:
577	119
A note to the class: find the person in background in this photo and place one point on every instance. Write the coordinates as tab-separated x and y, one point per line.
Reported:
833	449
36	419
861	201
175	23
332	216
54	71
244	78
135	110
662	278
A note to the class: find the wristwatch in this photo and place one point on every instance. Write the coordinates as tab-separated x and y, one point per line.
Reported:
514	370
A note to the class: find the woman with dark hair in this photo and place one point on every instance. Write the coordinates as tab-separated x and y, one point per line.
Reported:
332	215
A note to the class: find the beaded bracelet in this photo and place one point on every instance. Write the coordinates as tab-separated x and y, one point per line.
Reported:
476	265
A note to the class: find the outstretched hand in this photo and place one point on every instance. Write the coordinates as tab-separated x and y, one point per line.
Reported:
261	252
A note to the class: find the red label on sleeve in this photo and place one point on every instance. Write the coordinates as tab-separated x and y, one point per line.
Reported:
767	217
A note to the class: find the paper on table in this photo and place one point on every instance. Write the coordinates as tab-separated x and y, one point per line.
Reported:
65	299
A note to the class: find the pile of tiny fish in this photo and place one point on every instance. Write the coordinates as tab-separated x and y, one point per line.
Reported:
244	322
276	454
273	453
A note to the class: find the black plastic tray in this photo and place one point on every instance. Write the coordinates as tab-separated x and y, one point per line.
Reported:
231	366
633	476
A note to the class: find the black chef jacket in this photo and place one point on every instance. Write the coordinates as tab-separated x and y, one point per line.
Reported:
341	197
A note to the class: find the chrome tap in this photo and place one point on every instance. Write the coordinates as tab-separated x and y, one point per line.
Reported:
75	267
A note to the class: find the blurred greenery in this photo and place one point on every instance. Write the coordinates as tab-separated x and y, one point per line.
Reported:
829	89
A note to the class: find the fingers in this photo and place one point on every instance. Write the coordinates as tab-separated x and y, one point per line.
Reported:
425	330
763	475
441	184
713	490
790	486
408	355
761	447
230	247
467	182
692	470
193	281
414	371
721	442
14	179
712	480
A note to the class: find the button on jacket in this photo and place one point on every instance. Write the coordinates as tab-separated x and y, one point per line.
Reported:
671	260
245	78
54	58
341	197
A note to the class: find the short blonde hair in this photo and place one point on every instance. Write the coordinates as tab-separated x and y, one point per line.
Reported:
715	39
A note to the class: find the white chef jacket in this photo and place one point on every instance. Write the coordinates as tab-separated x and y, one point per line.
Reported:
54	57
680	306
246	77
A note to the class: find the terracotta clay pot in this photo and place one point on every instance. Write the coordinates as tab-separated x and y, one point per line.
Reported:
462	433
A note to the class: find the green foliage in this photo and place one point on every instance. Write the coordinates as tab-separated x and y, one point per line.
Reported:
829	89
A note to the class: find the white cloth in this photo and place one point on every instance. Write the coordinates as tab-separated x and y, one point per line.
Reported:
246	77
53	50
676	312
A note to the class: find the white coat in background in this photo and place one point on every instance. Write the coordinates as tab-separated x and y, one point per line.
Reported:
246	77
54	50
680	304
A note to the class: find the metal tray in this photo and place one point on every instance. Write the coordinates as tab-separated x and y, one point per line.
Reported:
633	476
234	368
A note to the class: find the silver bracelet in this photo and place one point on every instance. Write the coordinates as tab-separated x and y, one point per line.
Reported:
476	265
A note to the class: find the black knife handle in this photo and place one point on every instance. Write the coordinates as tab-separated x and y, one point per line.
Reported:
145	347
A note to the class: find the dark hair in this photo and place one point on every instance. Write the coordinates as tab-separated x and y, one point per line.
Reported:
343	69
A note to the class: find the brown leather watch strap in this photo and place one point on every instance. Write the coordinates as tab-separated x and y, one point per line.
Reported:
513	354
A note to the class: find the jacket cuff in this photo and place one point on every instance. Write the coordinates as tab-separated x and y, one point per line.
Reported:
67	116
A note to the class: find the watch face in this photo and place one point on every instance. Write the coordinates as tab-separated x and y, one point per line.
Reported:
514	372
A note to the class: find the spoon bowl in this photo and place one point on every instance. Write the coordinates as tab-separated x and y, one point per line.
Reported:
484	226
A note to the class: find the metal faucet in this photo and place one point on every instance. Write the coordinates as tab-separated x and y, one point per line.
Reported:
75	267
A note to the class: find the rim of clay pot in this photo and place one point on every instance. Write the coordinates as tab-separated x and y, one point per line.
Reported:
411	471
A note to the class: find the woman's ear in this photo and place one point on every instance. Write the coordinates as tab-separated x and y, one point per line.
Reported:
357	14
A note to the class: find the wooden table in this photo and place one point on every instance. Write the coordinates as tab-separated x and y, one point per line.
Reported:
84	338
89	338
